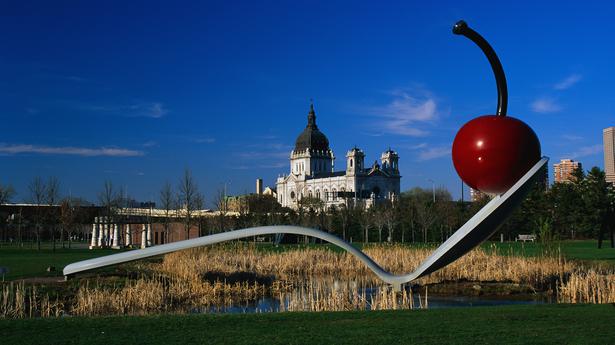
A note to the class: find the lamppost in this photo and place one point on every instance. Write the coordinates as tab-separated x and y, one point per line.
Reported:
433	189
224	201
225	184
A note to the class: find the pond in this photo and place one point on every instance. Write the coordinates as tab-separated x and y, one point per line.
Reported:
306	298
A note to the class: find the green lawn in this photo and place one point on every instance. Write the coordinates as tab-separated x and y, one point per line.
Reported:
585	250
26	262
543	324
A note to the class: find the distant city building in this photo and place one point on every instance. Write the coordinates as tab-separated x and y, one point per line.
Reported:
476	194
270	191
564	169
247	203
608	137
259	186
312	173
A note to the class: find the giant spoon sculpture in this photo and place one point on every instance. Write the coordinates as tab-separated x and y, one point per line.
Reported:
496	154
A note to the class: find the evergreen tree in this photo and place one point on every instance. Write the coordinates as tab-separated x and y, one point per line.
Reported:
596	199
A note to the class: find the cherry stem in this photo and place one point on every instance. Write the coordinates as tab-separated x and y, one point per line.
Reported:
462	28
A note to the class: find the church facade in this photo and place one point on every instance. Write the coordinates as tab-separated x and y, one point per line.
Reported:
312	173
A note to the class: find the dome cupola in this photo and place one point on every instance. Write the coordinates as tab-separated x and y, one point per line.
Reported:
311	138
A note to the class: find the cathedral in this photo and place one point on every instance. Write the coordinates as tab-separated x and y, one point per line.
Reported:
312	173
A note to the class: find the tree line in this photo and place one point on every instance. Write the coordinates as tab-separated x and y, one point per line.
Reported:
582	208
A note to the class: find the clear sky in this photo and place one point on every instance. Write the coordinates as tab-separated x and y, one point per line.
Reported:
135	92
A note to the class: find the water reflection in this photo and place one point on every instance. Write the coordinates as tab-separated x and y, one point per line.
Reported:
334	294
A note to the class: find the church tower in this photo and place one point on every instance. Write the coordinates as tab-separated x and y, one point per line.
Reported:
354	161
312	155
390	162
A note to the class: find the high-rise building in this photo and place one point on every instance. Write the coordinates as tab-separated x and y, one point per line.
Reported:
476	194
563	170
608	137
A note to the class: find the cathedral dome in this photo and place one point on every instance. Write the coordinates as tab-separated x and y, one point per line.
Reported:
311	138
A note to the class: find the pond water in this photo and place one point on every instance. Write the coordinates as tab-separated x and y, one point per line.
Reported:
271	304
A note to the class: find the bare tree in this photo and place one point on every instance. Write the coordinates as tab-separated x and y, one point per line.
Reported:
390	218
221	204
167	202
18	221
425	216
365	218
346	212
6	194
67	218
38	193
187	196
53	193
199	204
109	200
379	220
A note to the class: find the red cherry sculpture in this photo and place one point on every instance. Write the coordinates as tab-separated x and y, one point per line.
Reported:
492	152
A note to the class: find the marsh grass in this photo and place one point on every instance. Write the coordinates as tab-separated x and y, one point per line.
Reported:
588	287
309	279
478	265
20	301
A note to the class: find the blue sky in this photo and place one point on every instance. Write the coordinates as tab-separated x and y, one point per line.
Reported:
135	92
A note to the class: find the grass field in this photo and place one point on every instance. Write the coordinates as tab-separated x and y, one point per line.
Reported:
26	262
544	324
585	250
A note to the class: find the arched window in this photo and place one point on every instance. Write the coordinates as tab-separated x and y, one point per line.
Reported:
334	192
326	194
351	162
292	195
318	194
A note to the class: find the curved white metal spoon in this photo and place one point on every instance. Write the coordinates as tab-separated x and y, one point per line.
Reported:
476	230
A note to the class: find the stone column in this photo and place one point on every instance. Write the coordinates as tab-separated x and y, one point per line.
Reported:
143	238
110	236
149	234
128	242
94	239
101	231
116	236
107	231
106	236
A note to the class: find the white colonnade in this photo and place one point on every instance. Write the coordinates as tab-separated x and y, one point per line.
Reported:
106	233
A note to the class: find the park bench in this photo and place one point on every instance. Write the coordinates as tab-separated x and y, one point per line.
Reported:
526	238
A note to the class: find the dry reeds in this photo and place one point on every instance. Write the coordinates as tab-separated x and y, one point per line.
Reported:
301	280
587	287
478	265
319	295
19	301
159	294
